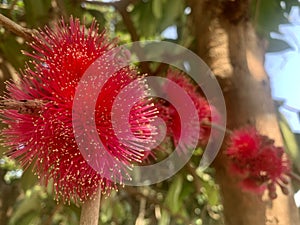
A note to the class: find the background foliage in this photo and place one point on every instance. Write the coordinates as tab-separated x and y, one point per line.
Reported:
189	197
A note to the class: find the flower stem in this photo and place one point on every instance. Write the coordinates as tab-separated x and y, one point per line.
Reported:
90	210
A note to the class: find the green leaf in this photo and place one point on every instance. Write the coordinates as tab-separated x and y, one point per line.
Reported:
153	17
290	3
73	7
31	218
97	15
212	194
8	164
3	150
119	212
26	207
165	218
6	75
173	201
210	189
106	213
268	15
290	141
277	45
173	9
11	50
157	8
144	19
198	151
28	179
37	12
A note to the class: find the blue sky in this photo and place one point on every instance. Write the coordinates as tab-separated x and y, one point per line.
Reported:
283	69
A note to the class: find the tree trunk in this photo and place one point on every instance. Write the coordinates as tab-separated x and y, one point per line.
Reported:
227	42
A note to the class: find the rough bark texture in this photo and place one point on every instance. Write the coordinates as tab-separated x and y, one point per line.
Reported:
227	42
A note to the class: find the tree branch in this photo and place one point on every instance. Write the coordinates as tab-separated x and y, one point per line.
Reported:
128	22
151	199
62	8
141	217
25	33
100	3
294	177
23	106
197	182
57	208
121	7
11	6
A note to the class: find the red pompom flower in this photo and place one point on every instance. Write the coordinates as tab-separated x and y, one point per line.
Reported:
258	161
44	136
172	117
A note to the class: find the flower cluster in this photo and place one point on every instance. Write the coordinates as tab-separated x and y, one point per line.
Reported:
46	139
258	161
172	117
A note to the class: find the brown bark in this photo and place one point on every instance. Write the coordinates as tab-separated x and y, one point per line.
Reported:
10	25
227	42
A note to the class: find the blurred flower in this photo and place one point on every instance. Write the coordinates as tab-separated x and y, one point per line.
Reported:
172	117
46	139
260	164
244	144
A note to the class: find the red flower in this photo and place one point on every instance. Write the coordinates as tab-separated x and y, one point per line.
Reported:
171	116
244	144
46	139
260	164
